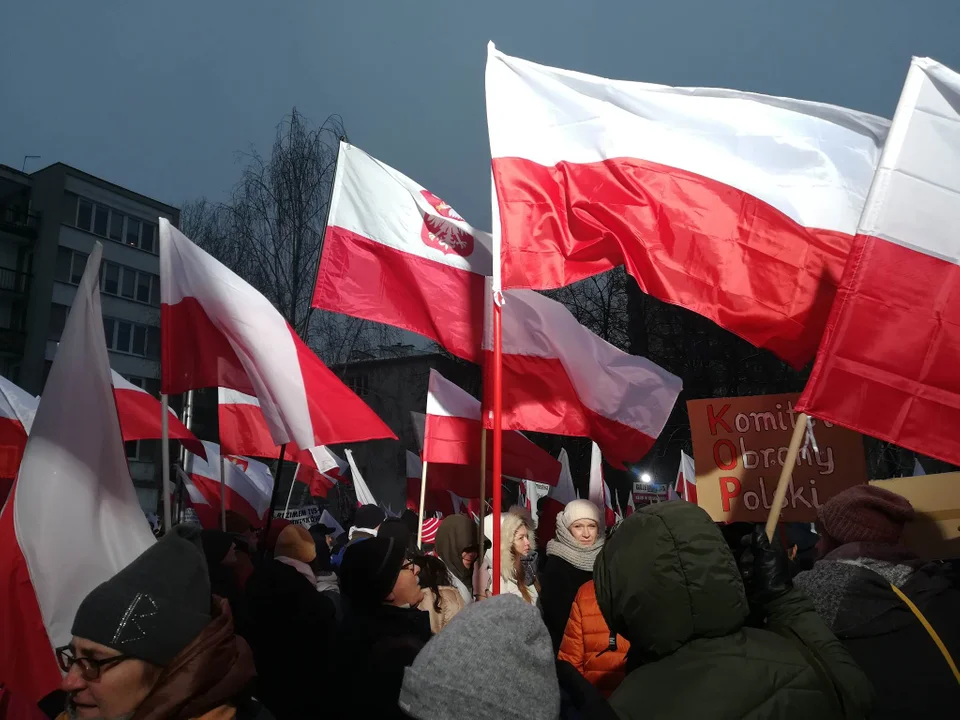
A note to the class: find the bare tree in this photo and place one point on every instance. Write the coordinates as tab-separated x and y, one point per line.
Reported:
271	233
601	304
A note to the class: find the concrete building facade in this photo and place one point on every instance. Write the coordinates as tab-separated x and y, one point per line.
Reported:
49	222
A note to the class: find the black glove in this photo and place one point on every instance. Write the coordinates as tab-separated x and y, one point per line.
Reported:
764	568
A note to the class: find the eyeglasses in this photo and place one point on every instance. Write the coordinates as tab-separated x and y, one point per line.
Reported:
90	668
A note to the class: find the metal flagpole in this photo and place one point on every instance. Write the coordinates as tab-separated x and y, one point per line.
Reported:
273	500
165	461
423	502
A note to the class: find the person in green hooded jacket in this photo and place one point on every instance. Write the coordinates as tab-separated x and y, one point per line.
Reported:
667	581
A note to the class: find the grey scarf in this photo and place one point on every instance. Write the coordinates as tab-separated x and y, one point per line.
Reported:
567	548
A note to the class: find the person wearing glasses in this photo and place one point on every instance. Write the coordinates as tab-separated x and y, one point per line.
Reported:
151	642
382	630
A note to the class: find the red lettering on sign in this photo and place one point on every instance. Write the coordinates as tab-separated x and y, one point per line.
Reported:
729	488
717	419
731	449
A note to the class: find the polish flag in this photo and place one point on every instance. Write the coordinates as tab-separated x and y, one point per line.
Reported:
560	378
452	436
17	408
73	519
207	514
248	484
631	506
397	254
218	331
687	478
557	498
436	500
364	496
599	493
887	366
320	468
738	206
140	416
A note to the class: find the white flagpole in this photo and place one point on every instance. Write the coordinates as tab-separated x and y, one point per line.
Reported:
165	462
483	489
290	494
223	495
423	501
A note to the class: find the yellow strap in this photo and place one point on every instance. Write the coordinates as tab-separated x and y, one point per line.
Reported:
930	630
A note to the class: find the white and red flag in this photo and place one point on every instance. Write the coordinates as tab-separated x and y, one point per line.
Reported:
560	378
207	514
73	519
395	253
888	364
738	206
17	408
631	506
247	486
452	436
599	493
218	331
140	417
364	496
686	486
320	469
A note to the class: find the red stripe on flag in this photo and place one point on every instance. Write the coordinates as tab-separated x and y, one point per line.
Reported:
140	419
235	501
243	431
13	439
687	240
27	663
897	381
538	396
370	280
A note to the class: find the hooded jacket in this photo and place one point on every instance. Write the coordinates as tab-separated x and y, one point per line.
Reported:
852	593
510	523
456	534
667	582
589	646
206	679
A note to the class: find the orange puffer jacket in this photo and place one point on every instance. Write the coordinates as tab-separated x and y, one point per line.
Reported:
587	644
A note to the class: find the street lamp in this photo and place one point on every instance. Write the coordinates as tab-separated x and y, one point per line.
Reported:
645	478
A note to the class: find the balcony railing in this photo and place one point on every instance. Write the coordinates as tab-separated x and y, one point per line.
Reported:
18	221
14	281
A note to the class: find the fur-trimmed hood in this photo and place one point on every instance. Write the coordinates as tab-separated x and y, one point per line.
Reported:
510	523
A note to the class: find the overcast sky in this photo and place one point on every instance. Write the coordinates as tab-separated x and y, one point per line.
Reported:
160	96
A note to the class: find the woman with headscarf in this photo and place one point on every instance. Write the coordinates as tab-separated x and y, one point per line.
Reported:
570	559
456	545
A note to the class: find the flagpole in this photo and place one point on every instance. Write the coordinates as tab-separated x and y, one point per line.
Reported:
273	499
423	502
223	495
286	508
786	475
497	440
165	461
483	489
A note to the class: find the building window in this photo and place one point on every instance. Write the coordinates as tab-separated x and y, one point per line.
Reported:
133	232
125	282
357	383
111	279
132	338
69	265
100	215
116	226
148	237
143	287
84	214
133	449
58	319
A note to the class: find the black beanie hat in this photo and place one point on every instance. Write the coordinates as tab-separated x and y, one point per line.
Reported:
370	569
154	607
397	529
216	545
368	516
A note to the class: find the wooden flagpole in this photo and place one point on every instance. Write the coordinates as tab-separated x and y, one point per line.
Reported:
483	490
786	475
497	440
286	507
273	500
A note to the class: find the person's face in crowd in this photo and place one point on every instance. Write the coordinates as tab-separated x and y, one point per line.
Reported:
468	558
230	559
521	542
585	532
330	541
102	683
406	591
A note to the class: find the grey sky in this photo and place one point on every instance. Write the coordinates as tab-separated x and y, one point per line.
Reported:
159	96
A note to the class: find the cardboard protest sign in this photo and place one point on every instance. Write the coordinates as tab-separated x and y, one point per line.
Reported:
935	532
306	516
649	493
740	445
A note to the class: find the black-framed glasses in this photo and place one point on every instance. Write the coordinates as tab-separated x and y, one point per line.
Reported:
90	668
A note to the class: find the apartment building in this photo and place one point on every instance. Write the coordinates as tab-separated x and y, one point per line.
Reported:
49	222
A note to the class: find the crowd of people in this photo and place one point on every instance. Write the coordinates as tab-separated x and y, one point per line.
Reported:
667	615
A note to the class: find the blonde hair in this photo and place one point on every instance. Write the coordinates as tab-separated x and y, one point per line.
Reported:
511	566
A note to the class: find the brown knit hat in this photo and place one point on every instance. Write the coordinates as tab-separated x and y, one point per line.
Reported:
297	543
865	513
